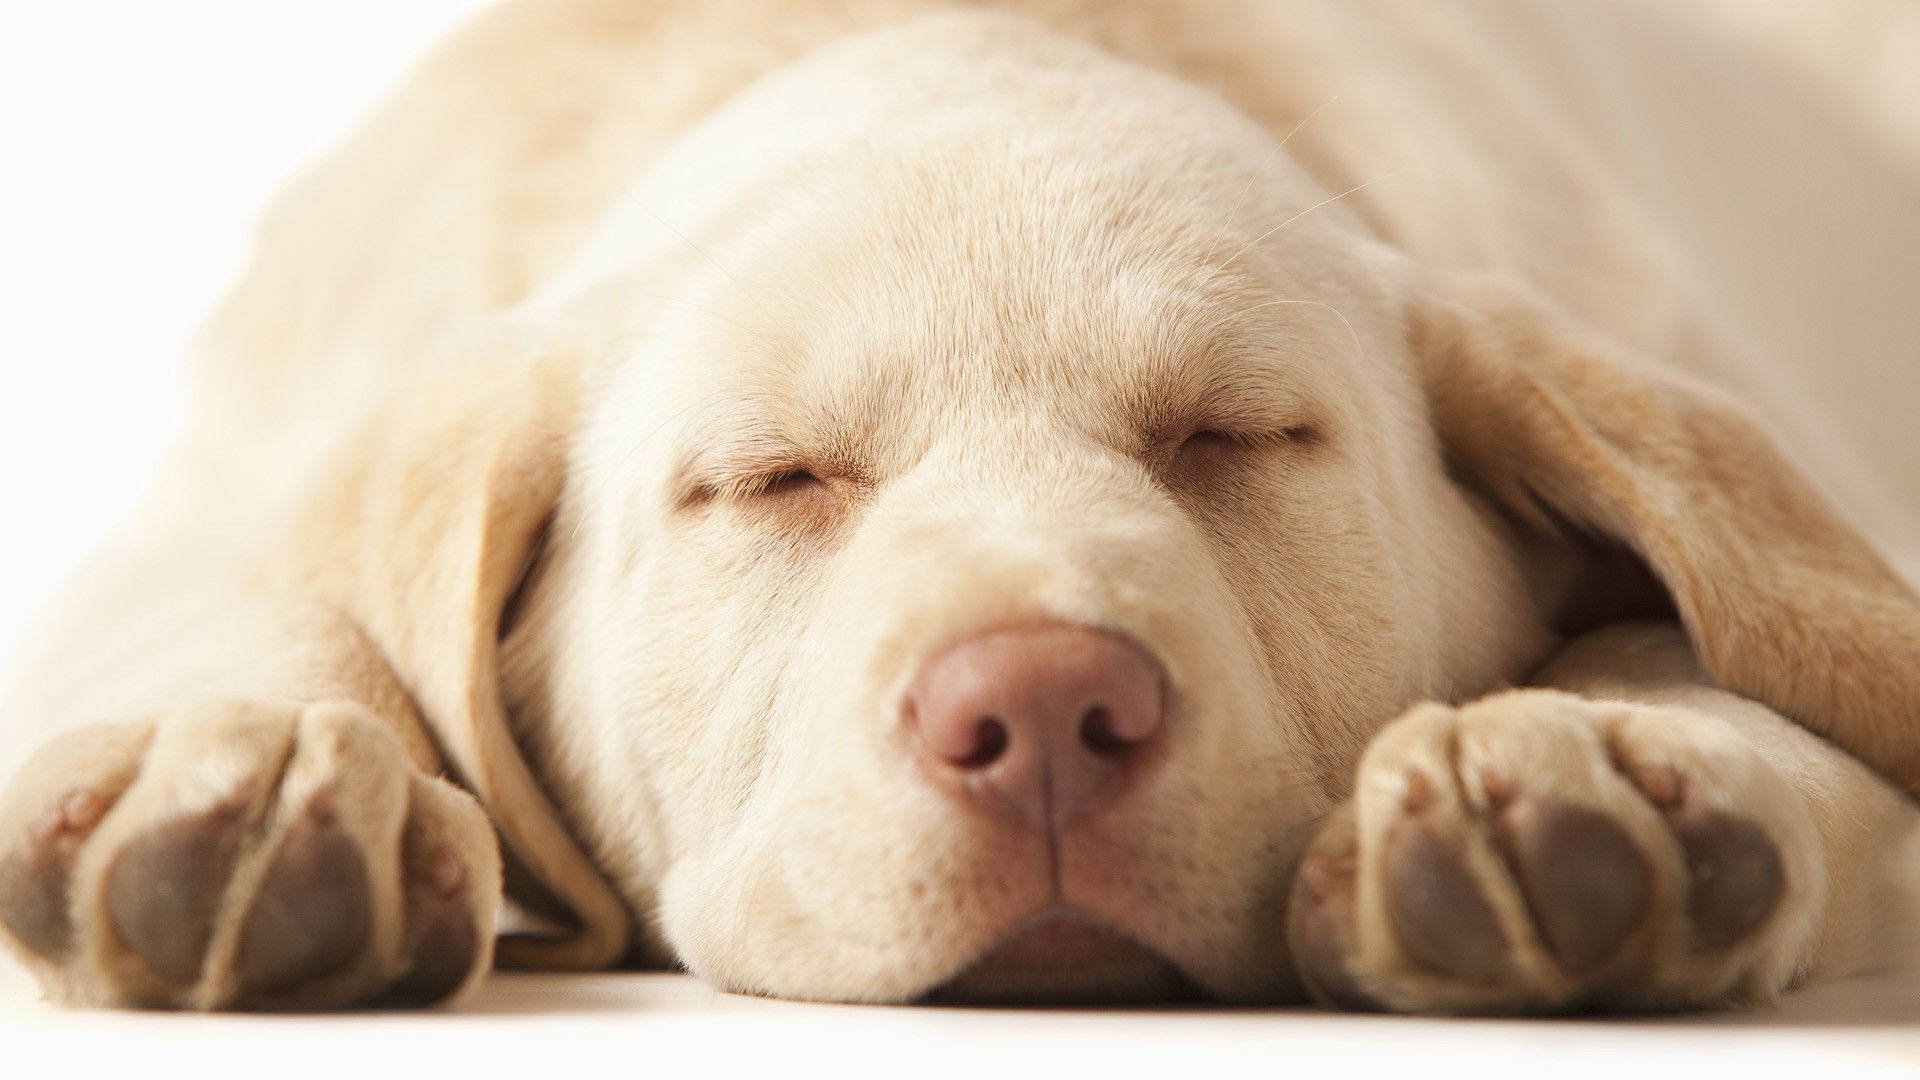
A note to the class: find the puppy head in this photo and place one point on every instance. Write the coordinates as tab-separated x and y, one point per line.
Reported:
962	340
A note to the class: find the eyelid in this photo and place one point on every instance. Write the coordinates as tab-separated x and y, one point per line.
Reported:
749	485
1262	436
741	469
1244	408
693	485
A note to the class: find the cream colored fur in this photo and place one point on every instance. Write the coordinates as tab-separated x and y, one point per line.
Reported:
1475	310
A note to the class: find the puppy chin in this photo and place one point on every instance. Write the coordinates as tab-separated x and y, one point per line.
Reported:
1063	958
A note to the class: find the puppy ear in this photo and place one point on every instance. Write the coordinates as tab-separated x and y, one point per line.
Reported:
429	519
1785	602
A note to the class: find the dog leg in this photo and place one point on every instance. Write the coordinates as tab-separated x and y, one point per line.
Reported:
1648	842
244	853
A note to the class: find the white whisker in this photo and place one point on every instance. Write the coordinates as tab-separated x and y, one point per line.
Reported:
711	261
698	307
1358	348
1233	217
1330	199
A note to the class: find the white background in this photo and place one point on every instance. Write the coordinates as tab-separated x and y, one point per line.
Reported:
139	139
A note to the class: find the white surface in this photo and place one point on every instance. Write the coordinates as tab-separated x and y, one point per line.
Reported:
667	1025
140	138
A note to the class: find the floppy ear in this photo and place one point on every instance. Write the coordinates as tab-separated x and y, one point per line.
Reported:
432	515
1785	602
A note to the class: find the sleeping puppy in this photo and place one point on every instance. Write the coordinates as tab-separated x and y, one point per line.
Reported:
899	501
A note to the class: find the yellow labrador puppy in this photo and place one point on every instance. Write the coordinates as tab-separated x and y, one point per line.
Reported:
898	500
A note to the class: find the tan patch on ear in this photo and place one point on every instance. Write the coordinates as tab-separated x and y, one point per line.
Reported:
1786	602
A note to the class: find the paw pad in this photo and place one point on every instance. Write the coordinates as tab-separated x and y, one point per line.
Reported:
313	912
1442	918
164	891
441	939
1585	883
33	880
1735	876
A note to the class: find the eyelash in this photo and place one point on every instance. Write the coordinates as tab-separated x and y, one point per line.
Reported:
1298	434
770	483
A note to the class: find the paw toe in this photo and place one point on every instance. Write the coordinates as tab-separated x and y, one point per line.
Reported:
164	889
1735	876
34	877
33	892
313	912
1320	929
1442	918
443	944
1585	882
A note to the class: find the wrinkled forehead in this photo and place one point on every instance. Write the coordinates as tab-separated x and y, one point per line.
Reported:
1010	287
993	274
968	219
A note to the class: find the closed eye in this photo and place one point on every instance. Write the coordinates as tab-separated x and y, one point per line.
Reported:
787	498
1205	440
785	484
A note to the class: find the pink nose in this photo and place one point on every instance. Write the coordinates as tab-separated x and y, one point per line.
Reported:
1040	725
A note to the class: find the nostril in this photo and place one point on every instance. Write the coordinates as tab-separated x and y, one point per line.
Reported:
1038	725
1098	735
989	742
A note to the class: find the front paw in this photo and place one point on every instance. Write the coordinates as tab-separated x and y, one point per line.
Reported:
244	854
1537	851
